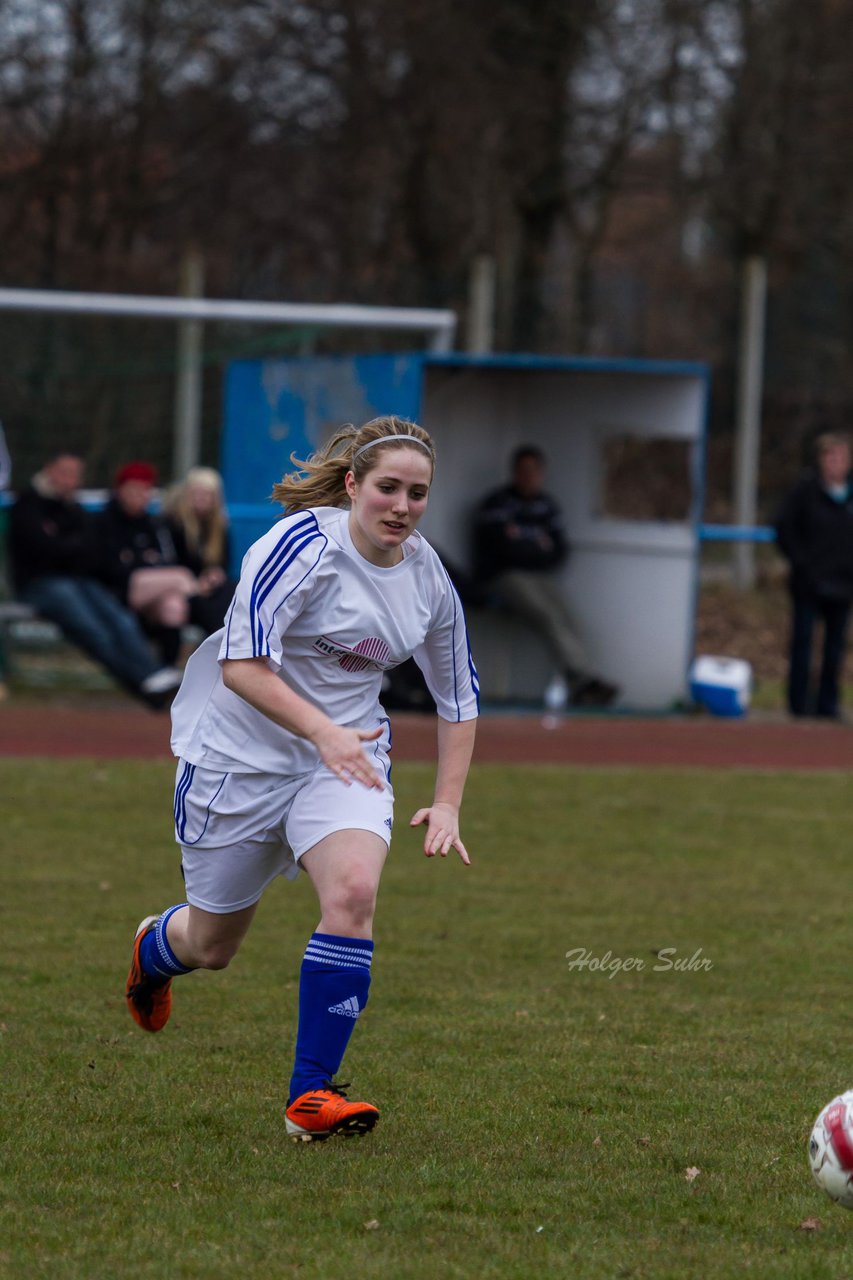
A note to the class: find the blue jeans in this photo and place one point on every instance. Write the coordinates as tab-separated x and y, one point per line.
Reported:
834	614
90	616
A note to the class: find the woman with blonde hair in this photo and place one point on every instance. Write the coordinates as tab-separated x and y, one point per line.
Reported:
197	518
284	747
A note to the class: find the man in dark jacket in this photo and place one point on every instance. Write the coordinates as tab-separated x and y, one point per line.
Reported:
520	542
815	533
52	554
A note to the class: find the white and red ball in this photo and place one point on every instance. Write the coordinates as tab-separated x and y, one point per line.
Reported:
831	1149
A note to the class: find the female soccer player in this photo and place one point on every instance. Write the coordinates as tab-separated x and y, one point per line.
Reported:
283	745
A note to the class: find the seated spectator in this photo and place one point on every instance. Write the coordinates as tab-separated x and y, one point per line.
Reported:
520	542
140	563
53	559
198	523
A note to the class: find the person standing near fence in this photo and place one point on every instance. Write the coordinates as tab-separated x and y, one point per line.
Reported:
5	481
283	745
814	531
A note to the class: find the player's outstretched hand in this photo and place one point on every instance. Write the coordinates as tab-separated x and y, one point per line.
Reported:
442	824
341	752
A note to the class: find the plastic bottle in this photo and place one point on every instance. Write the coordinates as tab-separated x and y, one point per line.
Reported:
555	701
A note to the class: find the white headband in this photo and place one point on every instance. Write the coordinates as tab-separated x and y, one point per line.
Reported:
391	440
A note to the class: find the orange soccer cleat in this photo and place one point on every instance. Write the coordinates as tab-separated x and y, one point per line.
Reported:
149	1002
321	1113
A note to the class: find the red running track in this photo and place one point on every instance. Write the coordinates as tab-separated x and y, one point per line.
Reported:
107	729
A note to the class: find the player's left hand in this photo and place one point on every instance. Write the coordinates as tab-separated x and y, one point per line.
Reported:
442	824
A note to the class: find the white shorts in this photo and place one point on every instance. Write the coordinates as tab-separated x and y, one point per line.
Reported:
238	831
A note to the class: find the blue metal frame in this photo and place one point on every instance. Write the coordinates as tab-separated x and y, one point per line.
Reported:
260	510
736	533
569	364
96	502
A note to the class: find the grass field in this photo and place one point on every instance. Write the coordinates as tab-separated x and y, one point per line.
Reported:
537	1120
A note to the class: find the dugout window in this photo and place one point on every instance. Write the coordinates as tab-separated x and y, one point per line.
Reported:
645	478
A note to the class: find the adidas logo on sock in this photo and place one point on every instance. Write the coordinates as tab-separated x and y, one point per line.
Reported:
347	1008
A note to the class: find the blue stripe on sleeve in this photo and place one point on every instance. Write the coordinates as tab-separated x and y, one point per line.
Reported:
472	670
455	671
286	550
297	537
459	617
475	679
262	648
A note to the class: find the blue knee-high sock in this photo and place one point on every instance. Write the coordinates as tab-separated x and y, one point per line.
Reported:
333	986
156	957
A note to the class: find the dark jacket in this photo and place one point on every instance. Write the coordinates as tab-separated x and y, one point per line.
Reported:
815	533
188	556
540	543
47	537
208	610
128	542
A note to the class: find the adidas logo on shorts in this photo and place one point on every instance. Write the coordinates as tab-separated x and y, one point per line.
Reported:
347	1008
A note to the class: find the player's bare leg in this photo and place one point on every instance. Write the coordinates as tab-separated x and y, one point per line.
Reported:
208	940
180	940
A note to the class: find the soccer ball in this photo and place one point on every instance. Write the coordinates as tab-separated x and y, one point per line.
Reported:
831	1149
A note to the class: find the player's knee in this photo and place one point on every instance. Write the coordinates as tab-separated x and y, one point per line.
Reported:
216	954
355	899
173	610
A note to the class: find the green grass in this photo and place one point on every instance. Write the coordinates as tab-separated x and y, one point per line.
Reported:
537	1121
769	695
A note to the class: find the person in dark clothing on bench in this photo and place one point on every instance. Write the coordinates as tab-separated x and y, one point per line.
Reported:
141	563
520	543
53	558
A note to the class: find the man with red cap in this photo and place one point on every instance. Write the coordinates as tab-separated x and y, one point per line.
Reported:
140	563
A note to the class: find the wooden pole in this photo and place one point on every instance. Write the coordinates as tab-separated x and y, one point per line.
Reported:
748	413
188	388
480	329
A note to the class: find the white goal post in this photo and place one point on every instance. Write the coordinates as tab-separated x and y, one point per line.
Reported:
192	312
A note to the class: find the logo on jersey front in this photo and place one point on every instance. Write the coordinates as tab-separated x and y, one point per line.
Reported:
370	652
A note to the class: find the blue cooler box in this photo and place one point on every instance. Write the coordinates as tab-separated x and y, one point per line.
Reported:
721	685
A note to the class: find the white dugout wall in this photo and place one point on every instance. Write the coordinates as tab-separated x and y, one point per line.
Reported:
631	583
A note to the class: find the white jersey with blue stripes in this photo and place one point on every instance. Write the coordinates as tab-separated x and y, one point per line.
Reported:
329	623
